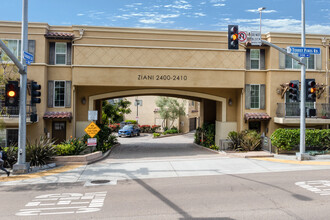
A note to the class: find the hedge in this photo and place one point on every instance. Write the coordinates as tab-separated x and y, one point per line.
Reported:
288	139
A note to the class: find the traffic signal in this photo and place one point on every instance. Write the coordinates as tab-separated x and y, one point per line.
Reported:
310	90
35	93
232	37
294	90
33	117
12	94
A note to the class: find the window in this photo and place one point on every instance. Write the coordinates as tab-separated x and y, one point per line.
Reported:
293	64
8	137
255	58
255	96
12	137
255	125
60	53
59	93
15	47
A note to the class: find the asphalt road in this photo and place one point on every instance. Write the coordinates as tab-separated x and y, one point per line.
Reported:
281	195
171	178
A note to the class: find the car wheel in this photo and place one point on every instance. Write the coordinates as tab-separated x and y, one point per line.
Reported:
138	134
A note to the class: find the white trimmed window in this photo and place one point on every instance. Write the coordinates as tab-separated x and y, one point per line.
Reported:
255	96
59	93
14	46
293	64
60	53
255	58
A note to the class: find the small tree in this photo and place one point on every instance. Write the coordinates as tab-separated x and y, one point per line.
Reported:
115	112
169	109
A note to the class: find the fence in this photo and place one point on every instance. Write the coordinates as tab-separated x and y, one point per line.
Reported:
293	109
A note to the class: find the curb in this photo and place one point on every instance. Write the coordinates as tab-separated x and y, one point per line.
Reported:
206	148
39	174
168	135
304	162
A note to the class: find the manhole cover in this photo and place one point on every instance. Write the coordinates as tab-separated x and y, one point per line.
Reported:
100	181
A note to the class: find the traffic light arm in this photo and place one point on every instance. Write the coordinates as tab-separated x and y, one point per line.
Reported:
13	58
283	51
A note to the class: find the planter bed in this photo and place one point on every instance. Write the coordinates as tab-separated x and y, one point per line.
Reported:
78	159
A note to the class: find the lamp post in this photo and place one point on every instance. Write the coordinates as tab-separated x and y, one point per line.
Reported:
260	11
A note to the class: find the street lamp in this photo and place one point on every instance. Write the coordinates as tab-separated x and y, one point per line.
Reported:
260	10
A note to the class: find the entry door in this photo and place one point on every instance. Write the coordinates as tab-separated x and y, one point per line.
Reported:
192	124
59	131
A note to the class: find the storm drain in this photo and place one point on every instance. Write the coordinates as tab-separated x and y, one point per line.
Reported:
100	182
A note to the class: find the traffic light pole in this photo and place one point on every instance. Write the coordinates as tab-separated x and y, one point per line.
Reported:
302	155
21	166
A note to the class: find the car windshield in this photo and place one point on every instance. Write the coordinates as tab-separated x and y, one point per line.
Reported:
128	127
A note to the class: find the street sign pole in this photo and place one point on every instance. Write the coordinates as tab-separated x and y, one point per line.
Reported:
21	166
302	155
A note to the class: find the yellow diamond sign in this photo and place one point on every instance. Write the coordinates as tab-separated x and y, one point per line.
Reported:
92	129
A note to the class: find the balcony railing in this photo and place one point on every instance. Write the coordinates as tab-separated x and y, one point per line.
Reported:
10	112
293	109
13	112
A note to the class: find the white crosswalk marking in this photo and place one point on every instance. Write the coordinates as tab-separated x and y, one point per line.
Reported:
65	203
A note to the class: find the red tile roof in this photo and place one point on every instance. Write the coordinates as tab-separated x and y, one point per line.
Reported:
59	35
257	116
58	115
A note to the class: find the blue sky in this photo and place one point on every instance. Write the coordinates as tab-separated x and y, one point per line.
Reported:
213	15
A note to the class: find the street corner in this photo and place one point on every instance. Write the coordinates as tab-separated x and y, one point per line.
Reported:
292	161
43	173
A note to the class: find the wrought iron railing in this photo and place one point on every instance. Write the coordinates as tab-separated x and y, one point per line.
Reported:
293	109
13	112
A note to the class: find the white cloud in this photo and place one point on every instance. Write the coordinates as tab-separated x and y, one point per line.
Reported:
155	20
199	14
181	4
264	11
217	1
219	5
80	14
95	14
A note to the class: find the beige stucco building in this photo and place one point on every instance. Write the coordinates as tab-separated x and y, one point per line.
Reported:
79	66
145	111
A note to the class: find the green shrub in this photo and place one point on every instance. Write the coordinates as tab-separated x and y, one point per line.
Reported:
78	145
131	121
12	155
247	140
289	139
145	128
105	140
154	128
156	135
214	147
171	131
65	149
205	135
251	140
236	138
41	152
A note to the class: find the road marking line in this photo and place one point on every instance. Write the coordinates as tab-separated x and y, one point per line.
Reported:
314	186
64	202
40	174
